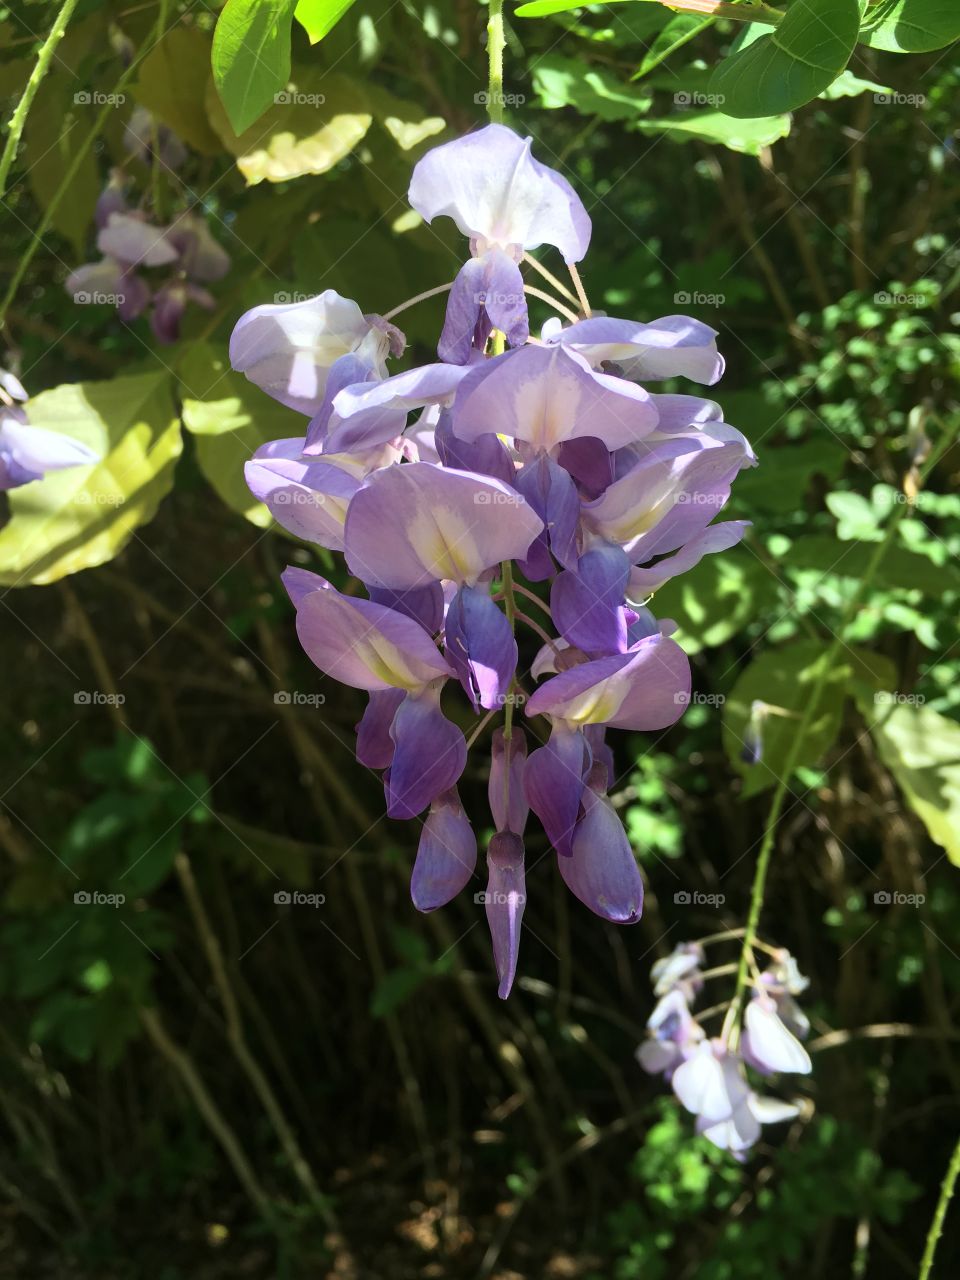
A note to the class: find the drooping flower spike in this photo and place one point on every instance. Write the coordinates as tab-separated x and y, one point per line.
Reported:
448	486
708	1074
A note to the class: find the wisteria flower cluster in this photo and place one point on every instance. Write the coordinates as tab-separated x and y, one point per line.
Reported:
530	460
708	1074
131	243
27	453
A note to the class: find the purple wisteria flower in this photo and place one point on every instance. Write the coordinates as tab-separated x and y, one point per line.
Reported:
455	487
131	242
26	452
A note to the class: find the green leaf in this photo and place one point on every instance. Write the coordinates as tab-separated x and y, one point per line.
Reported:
679	31
318	17
251	57
899	569
231	418
746	136
313	126
847	85
792	64
172	84
84	516
717	599
911	26
783	678
784	476
394	988
58	120
567	82
921	748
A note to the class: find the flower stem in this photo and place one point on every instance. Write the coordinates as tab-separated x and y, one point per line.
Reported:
546	297
780	794
495	47
581	292
22	109
936	1226
551	279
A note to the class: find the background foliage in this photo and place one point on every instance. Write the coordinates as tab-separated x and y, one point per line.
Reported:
208	1078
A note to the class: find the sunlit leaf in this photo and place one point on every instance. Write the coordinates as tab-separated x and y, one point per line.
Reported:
792	63
911	26
82	517
313	125
318	17
231	418
748	136
251	56
921	748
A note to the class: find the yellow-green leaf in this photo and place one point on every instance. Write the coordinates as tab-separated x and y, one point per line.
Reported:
82	517
231	418
921	748
318	17
316	121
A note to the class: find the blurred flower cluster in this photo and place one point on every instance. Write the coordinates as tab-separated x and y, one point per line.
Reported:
530	460
709	1074
132	242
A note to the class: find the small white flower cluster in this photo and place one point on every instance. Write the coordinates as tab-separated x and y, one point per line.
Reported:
709	1074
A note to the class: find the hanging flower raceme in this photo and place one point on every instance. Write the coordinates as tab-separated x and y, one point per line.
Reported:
452	489
708	1074
130	242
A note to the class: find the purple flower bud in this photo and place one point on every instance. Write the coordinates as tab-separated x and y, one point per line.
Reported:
505	899
479	645
447	854
602	871
505	789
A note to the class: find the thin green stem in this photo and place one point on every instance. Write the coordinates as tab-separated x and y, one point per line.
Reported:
22	109
495	46
936	1226
793	757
